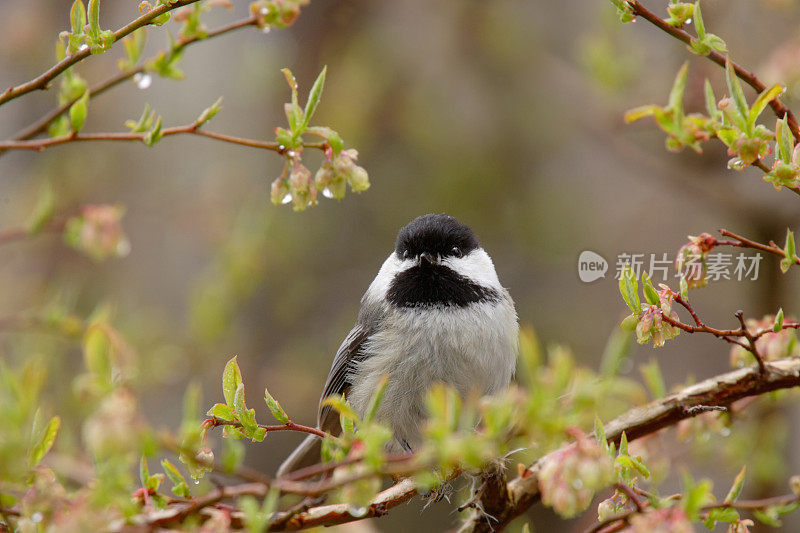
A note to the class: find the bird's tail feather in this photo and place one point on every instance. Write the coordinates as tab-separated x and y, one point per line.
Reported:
307	454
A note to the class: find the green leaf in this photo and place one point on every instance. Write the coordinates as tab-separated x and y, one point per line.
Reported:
698	22
313	97
144	471
784	140
637	113
629	288
293	111
44	442
180	488
275	408
77	112
618	347
650	293
209	112
144	122
600	433
676	94
736	488
763	100
623	444
94	19
684	288
778	324
153	135
77	17
711	102
242	412
695	495
231	379
735	88
789	252
375	400
44	210
221	411
340	405
133	45
721	514
633	463
97	348
653	378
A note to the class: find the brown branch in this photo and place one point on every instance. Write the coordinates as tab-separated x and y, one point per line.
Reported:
42	81
748	77
743	242
745	505
523	491
41	125
193	129
289	426
20	233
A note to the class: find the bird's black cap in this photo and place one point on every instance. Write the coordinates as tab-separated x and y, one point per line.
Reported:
435	234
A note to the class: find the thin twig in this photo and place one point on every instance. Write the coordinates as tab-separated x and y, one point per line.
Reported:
748	77
41	125
743	242
289	426
193	129
42	81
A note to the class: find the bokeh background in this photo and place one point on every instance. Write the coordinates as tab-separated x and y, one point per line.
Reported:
506	114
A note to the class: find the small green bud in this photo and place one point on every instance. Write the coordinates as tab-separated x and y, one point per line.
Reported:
359	179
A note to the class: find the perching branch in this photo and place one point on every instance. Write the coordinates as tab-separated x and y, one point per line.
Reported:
723	390
503	500
748	77
42	81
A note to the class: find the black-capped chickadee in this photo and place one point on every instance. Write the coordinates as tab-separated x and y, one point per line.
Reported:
435	312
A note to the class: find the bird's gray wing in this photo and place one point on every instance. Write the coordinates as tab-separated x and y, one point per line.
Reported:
347	356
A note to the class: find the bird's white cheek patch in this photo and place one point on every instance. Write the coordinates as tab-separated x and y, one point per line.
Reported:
477	266
390	268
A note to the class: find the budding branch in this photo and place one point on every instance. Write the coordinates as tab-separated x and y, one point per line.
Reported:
41	81
748	77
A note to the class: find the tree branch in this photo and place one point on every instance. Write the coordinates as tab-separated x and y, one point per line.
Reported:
748	77
523	491
42	81
41	125
193	129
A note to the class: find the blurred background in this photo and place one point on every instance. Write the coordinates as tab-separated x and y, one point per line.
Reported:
506	114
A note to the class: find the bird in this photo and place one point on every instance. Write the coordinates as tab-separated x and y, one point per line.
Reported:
435	313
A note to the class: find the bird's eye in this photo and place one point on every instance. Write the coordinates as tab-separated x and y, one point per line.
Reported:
456	251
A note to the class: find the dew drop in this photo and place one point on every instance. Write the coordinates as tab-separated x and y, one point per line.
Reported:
265	10
688	21
287	198
281	148
291	153
196	481
142	81
83	47
326	192
357	511
265	29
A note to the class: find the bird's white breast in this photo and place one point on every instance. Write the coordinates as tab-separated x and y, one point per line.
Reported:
471	348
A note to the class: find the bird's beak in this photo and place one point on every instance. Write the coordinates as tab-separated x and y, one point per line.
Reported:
427	258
